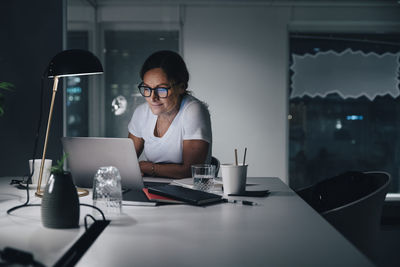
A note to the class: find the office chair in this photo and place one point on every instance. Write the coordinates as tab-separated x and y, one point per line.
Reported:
352	202
216	163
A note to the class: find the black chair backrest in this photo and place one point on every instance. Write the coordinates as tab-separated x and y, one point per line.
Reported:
345	188
352	202
216	163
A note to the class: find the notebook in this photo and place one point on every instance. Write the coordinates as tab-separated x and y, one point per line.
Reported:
187	195
87	154
161	199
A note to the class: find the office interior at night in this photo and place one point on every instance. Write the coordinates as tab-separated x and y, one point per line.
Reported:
310	88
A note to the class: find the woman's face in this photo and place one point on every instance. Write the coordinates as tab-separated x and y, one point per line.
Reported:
155	78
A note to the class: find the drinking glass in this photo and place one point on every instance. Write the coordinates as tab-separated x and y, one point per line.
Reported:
203	177
107	191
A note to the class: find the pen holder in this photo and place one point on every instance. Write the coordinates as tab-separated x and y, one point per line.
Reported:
234	178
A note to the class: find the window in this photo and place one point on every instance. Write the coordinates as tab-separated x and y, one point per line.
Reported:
344	108
124	54
102	105
77	91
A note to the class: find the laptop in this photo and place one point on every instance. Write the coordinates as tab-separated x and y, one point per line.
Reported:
87	154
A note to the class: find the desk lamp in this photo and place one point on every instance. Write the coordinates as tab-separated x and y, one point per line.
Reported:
67	63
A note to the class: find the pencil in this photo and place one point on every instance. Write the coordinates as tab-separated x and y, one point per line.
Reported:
236	159
244	157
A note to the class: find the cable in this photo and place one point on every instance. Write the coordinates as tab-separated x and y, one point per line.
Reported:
90	216
17	207
96	208
34	147
81	204
79	248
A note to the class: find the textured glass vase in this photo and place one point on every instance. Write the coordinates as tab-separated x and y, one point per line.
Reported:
60	203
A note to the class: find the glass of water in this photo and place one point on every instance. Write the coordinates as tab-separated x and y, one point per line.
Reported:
203	177
107	192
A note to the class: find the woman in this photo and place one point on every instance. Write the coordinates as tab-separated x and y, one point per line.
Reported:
173	128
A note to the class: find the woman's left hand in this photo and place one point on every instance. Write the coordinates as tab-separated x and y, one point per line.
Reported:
194	152
146	167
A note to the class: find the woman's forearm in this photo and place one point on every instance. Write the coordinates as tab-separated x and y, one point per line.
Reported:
177	171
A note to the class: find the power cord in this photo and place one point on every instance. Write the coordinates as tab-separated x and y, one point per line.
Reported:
20	183
12	256
15	256
29	180
90	216
79	248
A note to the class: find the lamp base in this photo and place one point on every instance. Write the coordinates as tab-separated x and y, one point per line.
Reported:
81	192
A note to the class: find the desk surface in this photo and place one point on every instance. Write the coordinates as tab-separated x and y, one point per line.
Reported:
281	231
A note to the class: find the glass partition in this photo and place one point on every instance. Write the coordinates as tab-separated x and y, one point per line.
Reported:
344	108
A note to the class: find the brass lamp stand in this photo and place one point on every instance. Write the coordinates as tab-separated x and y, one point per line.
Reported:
72	62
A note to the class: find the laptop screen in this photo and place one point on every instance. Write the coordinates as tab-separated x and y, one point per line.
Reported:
87	154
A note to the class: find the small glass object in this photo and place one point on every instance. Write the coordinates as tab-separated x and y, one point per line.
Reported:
203	177
107	192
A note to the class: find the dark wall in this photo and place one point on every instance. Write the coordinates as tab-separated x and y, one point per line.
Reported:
30	35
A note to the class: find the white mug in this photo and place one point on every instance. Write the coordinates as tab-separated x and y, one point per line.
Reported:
234	178
46	171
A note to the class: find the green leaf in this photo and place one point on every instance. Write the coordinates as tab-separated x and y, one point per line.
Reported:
7	86
59	168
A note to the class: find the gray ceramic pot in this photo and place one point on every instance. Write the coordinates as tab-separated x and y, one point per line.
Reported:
60	203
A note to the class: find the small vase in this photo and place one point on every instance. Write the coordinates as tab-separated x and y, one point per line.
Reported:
60	203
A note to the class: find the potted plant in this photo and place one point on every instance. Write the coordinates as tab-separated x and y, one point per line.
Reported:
5	86
60	203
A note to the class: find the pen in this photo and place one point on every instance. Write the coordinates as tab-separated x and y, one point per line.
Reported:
243	202
249	203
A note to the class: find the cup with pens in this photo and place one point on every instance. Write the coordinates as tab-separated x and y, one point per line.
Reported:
234	176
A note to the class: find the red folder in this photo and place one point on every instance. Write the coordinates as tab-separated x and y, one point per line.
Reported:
158	198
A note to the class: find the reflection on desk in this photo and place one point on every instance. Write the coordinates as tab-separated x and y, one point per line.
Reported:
282	230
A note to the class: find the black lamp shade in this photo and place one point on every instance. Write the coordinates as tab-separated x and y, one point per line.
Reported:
74	62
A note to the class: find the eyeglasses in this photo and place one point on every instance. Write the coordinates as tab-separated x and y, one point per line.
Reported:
146	91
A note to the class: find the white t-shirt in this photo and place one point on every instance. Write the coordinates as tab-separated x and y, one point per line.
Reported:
191	123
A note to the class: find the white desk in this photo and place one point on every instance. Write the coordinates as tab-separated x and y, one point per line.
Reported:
282	231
